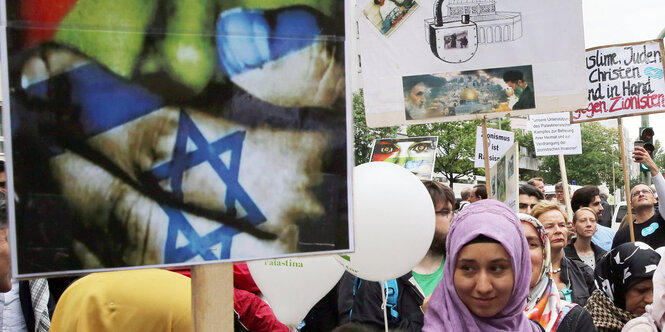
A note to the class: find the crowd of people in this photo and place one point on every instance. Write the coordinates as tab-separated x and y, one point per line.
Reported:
537	270
488	268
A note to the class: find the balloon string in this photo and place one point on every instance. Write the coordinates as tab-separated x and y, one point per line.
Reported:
384	285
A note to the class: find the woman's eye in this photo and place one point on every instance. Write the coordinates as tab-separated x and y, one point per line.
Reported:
466	268
497	268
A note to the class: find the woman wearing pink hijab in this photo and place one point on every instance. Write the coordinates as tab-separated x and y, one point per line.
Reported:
486	277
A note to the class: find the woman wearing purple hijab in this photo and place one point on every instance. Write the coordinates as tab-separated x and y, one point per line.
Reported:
486	279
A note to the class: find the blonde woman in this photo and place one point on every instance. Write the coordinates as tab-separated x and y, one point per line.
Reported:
573	283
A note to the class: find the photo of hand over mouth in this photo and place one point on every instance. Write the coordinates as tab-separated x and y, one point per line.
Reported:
139	162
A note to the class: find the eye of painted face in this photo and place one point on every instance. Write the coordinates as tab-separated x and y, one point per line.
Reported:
420	147
386	148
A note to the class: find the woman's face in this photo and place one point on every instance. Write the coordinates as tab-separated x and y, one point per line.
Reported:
484	278
638	296
555	227
535	251
585	226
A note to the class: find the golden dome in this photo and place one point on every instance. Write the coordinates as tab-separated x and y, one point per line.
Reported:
468	94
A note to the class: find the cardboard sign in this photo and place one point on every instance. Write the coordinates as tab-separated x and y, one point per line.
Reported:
443	61
146	133
417	154
504	177
553	134
499	141
624	80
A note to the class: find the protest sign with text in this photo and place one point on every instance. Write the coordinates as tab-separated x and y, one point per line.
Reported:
553	134
498	142
624	80
423	63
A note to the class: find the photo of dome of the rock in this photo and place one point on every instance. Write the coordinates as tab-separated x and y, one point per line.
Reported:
468	92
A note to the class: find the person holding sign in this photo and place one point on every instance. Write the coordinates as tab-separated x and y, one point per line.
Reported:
515	80
649	226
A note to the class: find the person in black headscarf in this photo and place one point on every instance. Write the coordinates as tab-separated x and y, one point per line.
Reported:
624	281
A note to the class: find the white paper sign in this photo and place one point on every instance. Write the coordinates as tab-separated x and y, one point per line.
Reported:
499	141
553	134
469	59
624	80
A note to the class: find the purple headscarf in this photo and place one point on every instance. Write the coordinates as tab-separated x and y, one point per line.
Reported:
495	220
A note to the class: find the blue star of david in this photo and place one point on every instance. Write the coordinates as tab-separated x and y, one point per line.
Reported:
173	170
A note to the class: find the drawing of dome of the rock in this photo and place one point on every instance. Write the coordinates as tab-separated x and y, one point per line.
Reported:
469	103
467	95
493	26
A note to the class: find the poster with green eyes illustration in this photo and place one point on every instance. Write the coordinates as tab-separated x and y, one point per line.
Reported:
417	154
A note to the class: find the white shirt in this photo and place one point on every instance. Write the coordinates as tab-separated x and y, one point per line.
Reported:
11	316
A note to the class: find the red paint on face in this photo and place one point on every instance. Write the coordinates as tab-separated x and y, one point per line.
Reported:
385	150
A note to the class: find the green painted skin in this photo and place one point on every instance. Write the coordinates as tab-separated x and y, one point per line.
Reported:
98	35
113	33
190	54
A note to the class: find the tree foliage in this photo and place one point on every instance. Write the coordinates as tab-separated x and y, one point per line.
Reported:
600	152
456	147
364	136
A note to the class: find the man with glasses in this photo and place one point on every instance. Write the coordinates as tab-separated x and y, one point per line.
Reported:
648	226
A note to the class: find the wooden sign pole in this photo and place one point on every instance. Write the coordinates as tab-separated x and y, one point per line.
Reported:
488	185
566	190
626	182
212	297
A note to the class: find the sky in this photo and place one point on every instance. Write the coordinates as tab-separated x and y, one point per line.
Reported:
622	21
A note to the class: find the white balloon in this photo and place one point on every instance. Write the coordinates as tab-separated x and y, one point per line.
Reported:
393	221
292	286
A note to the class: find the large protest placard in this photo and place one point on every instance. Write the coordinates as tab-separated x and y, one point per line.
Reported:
498	143
435	61
504	178
624	80
147	133
417	154
553	134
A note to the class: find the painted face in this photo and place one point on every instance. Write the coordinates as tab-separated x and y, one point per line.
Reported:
484	278
535	251
596	206
417	95
638	296
642	196
527	203
555	227
5	262
585	226
414	156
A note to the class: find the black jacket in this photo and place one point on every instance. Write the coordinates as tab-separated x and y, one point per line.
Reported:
571	253
365	306
578	278
577	320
